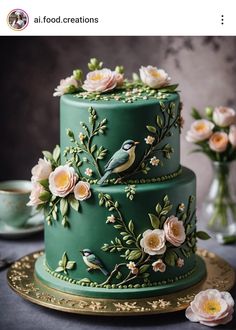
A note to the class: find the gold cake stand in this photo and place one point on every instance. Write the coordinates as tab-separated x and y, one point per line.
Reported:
21	279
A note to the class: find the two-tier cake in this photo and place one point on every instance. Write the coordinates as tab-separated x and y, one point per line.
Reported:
119	208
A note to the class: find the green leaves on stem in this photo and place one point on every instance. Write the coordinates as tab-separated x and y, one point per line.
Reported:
64	264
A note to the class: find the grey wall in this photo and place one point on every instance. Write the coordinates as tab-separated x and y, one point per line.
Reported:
205	68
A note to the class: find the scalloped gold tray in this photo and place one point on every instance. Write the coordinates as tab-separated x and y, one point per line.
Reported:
21	279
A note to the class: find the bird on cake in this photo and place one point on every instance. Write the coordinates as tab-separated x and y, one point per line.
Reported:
92	261
121	160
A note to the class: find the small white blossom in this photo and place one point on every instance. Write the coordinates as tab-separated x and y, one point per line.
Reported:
88	172
111	219
149	139
154	161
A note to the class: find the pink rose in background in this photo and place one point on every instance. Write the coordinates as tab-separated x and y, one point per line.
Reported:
62	180
224	116
154	77
211	307
159	266
37	190
232	135
174	231
41	171
67	85
100	81
82	191
200	130
153	242
219	141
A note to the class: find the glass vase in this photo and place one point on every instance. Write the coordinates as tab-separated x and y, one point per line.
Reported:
219	208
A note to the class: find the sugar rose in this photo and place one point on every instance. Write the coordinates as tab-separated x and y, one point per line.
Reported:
159	266
41	171
62	180
37	190
154	77
224	116
100	81
219	141
67	85
232	135
211	307
200	130
153	242
82	191
174	231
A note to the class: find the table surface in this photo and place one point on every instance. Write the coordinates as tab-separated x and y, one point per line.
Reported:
18	314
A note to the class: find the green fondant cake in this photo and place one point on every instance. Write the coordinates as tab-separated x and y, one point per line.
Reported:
119	208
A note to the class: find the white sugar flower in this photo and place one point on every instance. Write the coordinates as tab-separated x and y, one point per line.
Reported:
149	139
154	77
154	161
88	172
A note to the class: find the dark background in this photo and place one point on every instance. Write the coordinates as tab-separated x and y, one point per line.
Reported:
31	67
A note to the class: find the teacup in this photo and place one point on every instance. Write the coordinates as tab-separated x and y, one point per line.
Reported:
14	195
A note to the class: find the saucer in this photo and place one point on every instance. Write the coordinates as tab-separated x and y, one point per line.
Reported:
33	225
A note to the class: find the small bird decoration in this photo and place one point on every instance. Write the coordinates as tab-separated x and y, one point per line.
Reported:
92	261
121	160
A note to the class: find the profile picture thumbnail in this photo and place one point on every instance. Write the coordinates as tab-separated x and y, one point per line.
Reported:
17	19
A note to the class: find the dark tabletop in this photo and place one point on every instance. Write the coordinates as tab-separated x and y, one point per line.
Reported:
18	314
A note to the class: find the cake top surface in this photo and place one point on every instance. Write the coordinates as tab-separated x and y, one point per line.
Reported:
101	84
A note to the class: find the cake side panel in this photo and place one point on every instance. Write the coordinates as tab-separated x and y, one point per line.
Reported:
99	229
123	122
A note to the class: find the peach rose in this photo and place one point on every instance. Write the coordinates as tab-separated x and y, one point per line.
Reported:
62	180
211	307
154	77
219	141
232	135
174	231
36	191
82	191
41	171
159	266
200	130
224	116
100	81
67	85
153	242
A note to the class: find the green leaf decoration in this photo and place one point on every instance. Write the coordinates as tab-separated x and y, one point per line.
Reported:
63	206
64	260
144	268
44	183
166	210
202	235
74	203
47	155
70	264
134	255
131	226
195	114
65	264
56	153
159	122
154	221
118	276
45	196
59	269
167	89
158	208
151	129
170	258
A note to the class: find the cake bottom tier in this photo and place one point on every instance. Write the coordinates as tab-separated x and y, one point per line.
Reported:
136	238
167	287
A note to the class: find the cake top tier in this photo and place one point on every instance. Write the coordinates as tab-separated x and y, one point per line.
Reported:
119	131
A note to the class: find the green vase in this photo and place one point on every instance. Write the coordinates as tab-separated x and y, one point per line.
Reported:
219	208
